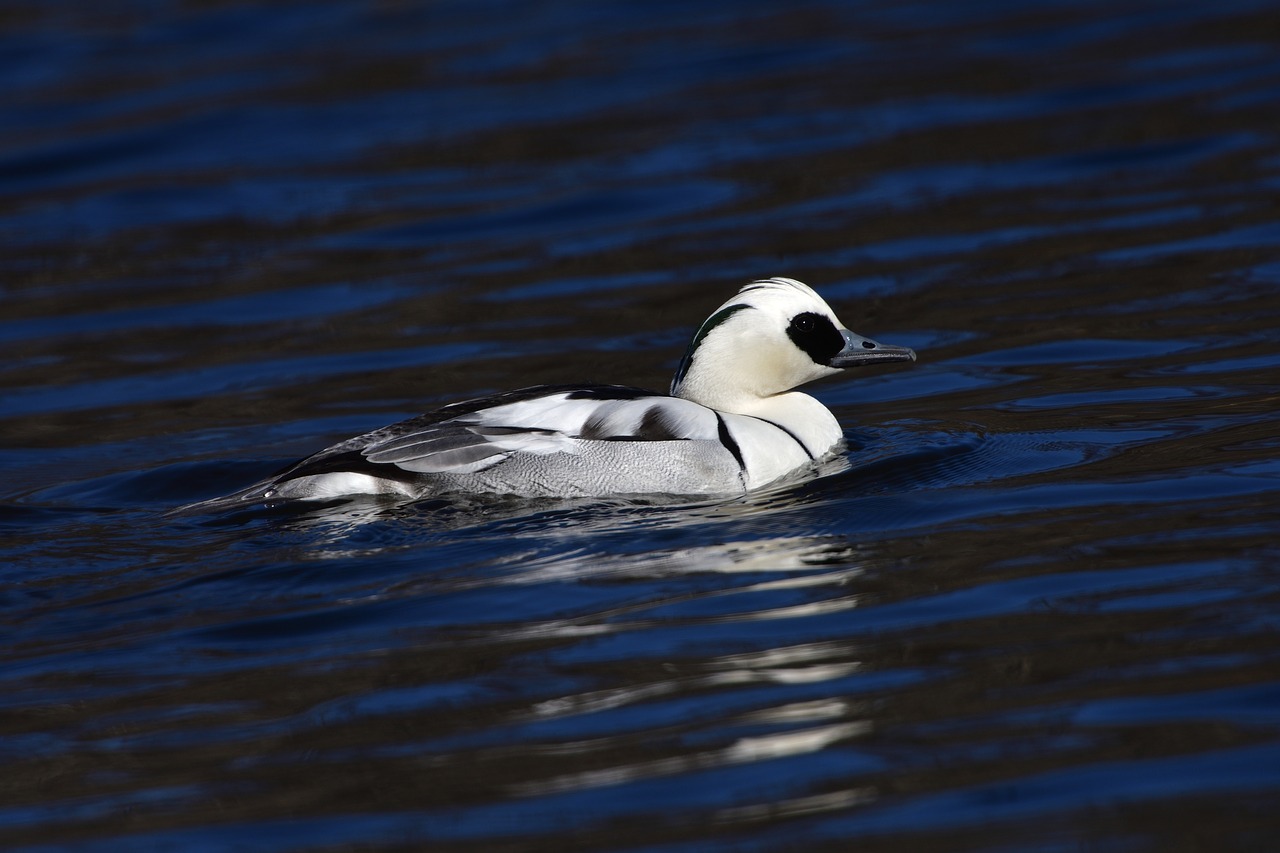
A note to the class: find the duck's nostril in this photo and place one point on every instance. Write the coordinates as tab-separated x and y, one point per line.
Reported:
868	344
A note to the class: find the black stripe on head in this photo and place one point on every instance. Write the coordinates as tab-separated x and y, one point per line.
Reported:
816	335
714	320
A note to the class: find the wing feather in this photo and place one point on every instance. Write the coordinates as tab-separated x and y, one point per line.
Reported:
474	435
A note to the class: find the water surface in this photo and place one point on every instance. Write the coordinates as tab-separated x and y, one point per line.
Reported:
1033	606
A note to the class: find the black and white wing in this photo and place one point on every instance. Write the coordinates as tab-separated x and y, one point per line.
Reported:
475	435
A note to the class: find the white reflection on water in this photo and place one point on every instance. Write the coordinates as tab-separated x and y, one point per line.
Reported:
741	751
632	617
744	672
829	801
802	712
781	554
783	656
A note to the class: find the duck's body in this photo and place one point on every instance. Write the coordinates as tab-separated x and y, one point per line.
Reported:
729	425
571	440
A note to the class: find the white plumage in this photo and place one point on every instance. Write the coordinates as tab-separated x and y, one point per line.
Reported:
731	422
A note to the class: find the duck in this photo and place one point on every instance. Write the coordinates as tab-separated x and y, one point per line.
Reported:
731	422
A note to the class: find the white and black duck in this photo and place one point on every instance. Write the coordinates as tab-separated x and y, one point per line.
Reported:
730	423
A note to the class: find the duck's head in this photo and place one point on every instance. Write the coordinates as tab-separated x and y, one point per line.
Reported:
772	336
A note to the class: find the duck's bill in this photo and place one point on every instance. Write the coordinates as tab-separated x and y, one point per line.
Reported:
859	351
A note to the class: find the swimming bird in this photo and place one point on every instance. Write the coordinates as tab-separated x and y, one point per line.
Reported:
731	422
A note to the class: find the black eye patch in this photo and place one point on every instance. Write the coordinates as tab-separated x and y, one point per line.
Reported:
816	335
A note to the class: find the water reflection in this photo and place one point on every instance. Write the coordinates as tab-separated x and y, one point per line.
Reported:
745	750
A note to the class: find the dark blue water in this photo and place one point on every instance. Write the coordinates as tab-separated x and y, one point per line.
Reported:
1034	607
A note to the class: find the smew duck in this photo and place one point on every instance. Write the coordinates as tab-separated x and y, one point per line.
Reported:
731	422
